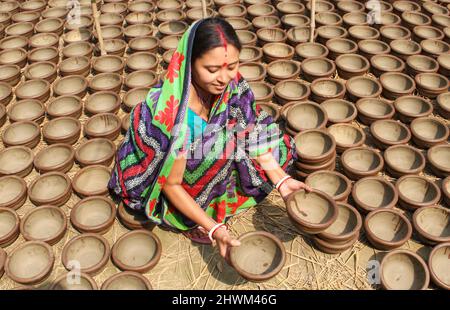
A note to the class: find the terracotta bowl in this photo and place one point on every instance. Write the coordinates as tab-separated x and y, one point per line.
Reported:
334	247
310	50
6	93
232	10
409	108
239	23
446	190
38	89
75	85
59	12
327	88
346	136
432	224
169	42
252	71
127	280
340	46
13	192
62	283
333	183
354	18
438	157
56	157
291	90
396	85
374	193
103	125
141	78
107	19
351	65
315	146
314	68
402	160
138	30
77	65
133	97
62	130
138	251
307	115
412	19
434	48
135	18
345	229
363	32
110	32
290	21
91	181
98	151
390	33
50	25
26	110
25	133
93	215
421	64
441	20
262	91
102	102
64	106
404	270
370	48
271	109
300	34
360	162
30	263
144	44
359	87
438	265
9	226
132	219
386	63
260	256
403	6
142	61
50	54
327	18
427	32
339	110
53	188
350	6
311	212
373	109
78	49
41	70
431	85
14	56
276	51
20	29
10	74
16	160
24	16
271	35
90	251
106	82
168	28
389	132
405	48
416	192
427	132
46	223
302	170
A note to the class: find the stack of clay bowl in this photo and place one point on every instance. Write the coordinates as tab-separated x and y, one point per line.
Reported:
303	116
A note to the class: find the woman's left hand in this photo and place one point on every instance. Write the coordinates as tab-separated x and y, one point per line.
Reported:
290	186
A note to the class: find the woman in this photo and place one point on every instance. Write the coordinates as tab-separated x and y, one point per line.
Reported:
198	151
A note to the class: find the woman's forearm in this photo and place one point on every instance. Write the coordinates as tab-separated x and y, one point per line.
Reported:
271	167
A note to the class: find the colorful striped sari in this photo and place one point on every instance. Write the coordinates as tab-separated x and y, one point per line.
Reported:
221	173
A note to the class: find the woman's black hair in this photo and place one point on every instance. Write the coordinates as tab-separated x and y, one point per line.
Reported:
211	33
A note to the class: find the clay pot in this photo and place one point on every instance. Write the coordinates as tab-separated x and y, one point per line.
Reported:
271	109
370	48
138	251
403	159
91	181
32	17
307	115
5	18
137	18
262	91
396	85
44	40
78	49
99	151
310	50
41	70
438	157
10	6
290	7
277	51
50	54
432	224
33	6
13	191
349	6
387	229
30	263
90	250
118	8
405	48
311	212
357	18
20	29
64	106
127	280
328	18
141	78
427	132
170	42
321	6
77	36
350	65
358	33
362	87
262	22
169	4
62	130
427	32
302	170
24	133
14	56
440	20
108	64
195	14
134	97
434	48
9	221
239	23
346	136
46	223
93	215
339	111
280	70
232	10
315	68
26	110
437	264
16	160
373	109
250	54
314	146
110	32
431	84
78	65
291	90
297	35
75	85
133	219
58	12
444	64
326	89
50	25
390	33
57	157
360	162
141	6
168	28
38	89
10	74
389	132
102	102
271	35
110	19
106	82
102	125
53	188
374	193
409	108
14	42
332	183
86	282
416	192
144	44
333	247
403	6
326	33
404	270
446	190
412	19
443	104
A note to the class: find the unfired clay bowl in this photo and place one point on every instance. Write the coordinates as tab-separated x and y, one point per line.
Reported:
346	136
78	49
46	223
260	256
93	215
132	219
70	85
339	111
38	89
16	160
62	130
438	265
351	65
359	87
41	70
431	85
56	157
102	102
439	159
98	151
142	61
314	68
326	89
370	48
310	50
106	81
432	224
13	192
91	181
53	188
103	125
386	63
372	193
404	270
9	226
90	250
127	280
64	106
26	110
25	133
307	115
389	132
421	64
403	159
427	132
77	65
396	85
275	51
336	185
315	146
409	108
133	97
62	283
360	162
373	109
138	251
416	192
291	90
340	46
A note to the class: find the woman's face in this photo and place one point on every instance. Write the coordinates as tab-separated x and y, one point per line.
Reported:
215	69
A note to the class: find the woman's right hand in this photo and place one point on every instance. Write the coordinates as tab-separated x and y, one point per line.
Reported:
224	241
